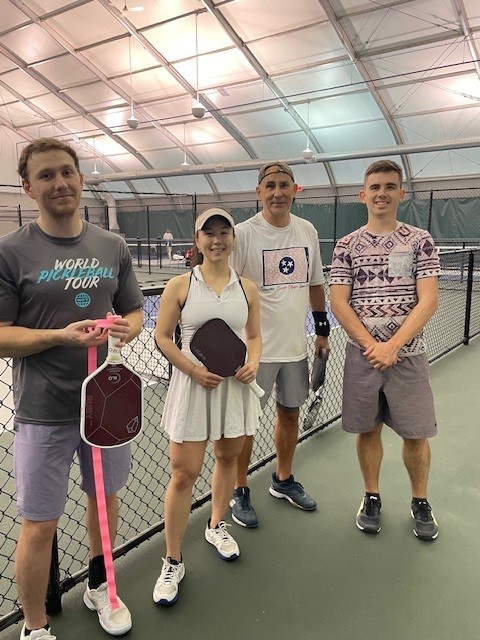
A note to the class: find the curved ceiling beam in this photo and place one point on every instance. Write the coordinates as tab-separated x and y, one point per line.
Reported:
97	73
40	22
375	7
72	104
245	51
156	55
467	32
252	165
42	114
369	81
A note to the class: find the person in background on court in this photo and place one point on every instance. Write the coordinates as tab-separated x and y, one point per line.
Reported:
384	289
280	253
57	274
168	237
201	405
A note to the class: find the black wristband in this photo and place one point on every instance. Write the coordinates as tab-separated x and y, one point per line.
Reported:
322	325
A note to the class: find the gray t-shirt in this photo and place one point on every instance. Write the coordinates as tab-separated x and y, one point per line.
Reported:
47	283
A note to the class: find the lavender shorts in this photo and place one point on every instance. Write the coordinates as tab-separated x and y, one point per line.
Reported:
42	457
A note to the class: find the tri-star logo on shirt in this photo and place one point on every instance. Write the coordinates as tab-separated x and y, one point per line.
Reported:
285	266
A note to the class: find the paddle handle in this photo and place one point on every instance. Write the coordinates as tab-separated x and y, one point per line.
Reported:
257	390
114	355
114	352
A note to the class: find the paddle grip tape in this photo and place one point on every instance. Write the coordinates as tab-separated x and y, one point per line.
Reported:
100	491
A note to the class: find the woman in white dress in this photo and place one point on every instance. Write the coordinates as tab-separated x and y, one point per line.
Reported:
201	405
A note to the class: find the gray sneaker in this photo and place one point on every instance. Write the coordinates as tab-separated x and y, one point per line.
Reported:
293	492
426	527
368	516
242	511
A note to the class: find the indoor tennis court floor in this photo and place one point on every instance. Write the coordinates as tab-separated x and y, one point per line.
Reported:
314	576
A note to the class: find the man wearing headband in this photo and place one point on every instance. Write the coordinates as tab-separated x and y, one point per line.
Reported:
280	253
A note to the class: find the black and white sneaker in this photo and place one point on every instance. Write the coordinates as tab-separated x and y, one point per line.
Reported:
368	516
426	527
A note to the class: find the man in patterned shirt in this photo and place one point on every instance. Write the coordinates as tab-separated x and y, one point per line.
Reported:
384	289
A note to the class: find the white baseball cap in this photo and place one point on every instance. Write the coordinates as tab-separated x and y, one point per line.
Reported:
211	213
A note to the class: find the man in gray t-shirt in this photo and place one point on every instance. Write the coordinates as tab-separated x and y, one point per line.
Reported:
57	275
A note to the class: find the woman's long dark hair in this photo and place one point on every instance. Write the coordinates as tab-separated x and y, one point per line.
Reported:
197	257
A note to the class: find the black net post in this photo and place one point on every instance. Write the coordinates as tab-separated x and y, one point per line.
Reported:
54	595
430	213
335	208
159	252
139	252
149	257
468	299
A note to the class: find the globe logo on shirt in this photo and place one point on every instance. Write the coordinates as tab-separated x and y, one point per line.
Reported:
287	265
82	300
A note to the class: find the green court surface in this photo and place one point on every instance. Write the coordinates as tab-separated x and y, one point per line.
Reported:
308	576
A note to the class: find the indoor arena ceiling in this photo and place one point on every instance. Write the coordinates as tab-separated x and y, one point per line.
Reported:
323	84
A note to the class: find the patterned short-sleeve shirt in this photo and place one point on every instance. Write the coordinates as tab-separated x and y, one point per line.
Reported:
383	271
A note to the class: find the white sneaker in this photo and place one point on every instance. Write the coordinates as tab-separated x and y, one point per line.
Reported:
116	622
165	591
37	634
226	546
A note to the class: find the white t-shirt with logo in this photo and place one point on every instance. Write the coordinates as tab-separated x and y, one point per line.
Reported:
283	263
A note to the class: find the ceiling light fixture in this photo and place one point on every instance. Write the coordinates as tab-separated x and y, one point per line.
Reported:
94	172
185	166
308	153
132	121
198	110
135	9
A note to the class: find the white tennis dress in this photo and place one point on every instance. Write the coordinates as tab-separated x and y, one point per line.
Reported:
192	412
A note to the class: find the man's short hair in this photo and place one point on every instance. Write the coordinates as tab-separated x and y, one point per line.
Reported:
41	145
384	166
278	167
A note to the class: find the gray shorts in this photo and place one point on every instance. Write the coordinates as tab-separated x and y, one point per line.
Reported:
42	457
400	396
288	380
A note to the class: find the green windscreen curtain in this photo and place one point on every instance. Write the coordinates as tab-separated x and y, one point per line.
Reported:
450	218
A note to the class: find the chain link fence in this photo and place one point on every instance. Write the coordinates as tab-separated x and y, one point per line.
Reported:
141	515
450	215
